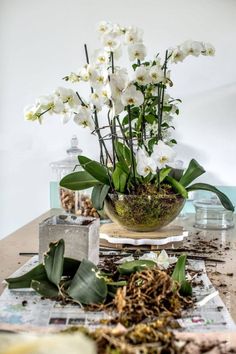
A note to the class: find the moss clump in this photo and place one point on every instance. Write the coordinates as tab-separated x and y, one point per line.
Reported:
147	210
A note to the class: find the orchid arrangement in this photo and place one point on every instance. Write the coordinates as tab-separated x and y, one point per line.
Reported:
135	138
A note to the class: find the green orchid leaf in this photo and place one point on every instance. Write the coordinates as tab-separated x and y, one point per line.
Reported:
128	268
119	179
95	169
179	270
225	201
53	261
193	171
122	153
164	172
177	186
99	194
87	286
45	288
186	289
70	266
176	173
179	275
24	281
78	180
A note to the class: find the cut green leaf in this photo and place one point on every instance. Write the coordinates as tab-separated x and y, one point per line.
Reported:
128	268
78	180
179	271
225	201
186	289
87	286
70	266
24	281
193	171
53	261
99	194
177	186
45	288
95	169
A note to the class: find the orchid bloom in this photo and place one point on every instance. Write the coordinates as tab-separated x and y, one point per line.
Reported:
131	96
83	117
137	51
145	164
162	154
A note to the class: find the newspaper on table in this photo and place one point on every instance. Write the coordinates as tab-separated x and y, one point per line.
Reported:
26	307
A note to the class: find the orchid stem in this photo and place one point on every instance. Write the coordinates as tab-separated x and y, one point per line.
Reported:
131	142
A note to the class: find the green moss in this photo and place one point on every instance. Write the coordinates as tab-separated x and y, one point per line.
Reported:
148	209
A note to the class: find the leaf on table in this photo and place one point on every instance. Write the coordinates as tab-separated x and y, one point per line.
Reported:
87	286
24	281
54	260
45	288
179	275
128	268
70	266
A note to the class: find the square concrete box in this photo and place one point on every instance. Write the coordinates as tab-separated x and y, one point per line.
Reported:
81	236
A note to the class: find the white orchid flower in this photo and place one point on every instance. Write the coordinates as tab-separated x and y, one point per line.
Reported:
100	57
84	118
141	75
52	102
104	27
73	77
104	93
162	154
177	55
31	112
137	51
117	108
162	260
67	114
119	79
156	74
111	42
191	48
208	49
98	78
145	164
96	100
131	96
67	96
133	35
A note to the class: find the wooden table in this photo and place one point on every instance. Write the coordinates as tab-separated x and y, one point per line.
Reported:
222	275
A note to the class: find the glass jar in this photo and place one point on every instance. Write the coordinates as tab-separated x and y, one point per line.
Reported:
210	214
74	202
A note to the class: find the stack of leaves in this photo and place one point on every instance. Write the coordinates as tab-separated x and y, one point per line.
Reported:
139	289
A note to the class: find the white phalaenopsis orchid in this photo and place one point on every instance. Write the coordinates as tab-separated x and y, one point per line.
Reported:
162	154
31	112
191	48
131	96
52	102
145	163
177	55
84	118
100	57
156	74
96	100
137	51
104	27
67	96
99	78
141	75
133	35
208	49
111	42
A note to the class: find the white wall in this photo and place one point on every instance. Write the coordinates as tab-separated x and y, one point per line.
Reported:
41	41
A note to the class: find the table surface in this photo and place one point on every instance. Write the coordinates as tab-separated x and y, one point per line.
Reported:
218	244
